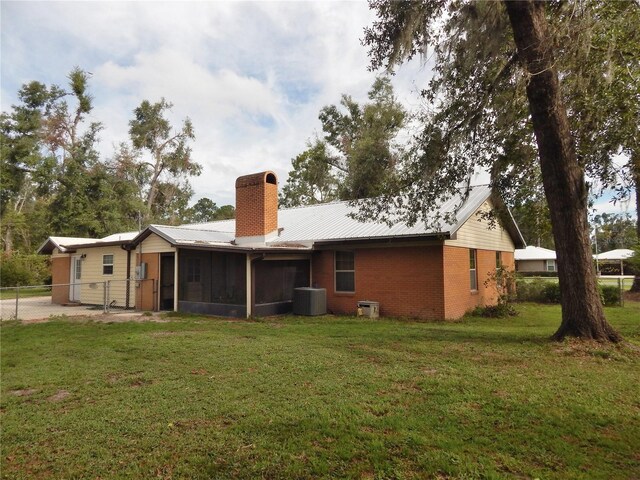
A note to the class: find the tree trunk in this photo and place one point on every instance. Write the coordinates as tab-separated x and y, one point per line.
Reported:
562	176
635	171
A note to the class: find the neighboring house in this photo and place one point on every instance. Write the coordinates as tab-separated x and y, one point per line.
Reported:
250	266
535	260
615	258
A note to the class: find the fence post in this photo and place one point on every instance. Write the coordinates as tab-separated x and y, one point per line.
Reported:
17	297
621	288
108	296
104	297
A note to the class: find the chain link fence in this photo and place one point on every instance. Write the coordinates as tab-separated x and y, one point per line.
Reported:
82	298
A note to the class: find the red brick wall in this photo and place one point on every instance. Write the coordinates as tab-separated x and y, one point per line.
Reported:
459	298
60	274
256	205
406	281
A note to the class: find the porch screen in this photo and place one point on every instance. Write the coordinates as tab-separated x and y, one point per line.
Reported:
276	279
212	277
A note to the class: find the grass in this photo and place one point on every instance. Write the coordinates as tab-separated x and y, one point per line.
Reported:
24	292
319	398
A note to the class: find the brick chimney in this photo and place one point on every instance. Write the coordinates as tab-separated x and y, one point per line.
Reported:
256	206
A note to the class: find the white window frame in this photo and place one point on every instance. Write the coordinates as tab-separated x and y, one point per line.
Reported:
336	271
112	264
551	265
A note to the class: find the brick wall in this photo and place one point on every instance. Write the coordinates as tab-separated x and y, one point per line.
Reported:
60	274
459	298
430	282
406	281
256	204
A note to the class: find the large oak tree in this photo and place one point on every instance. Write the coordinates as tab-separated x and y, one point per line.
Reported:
486	57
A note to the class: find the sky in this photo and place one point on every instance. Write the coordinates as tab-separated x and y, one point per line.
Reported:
251	76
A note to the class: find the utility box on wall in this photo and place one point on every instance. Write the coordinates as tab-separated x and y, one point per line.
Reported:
141	271
369	309
309	301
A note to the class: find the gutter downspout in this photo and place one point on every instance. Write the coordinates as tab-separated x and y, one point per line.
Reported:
128	292
175	281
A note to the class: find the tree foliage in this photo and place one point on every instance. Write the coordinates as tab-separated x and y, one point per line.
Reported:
614	231
357	154
312	179
206	210
165	162
55	183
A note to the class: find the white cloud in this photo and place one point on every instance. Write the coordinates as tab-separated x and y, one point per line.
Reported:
251	76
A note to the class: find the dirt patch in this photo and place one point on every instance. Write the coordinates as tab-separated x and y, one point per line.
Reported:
58	396
104	318
26	392
579	348
632	296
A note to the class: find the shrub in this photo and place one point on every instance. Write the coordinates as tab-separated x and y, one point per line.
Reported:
610	295
19	269
501	310
530	290
551	292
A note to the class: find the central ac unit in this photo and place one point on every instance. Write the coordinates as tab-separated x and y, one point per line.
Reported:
309	301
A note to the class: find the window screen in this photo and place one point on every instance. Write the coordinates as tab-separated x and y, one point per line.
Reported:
276	279
345	272
212	277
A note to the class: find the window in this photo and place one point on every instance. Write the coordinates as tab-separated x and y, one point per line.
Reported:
498	260
107	264
551	265
345	272
473	276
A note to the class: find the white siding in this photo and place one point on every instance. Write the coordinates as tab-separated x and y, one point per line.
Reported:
92	277
155	244
477	232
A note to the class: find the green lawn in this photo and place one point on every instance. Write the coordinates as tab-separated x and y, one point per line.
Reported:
24	292
319	398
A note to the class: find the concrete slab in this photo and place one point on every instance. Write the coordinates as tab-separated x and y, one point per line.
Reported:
34	308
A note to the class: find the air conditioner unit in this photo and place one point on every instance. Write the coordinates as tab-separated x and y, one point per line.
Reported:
309	301
369	309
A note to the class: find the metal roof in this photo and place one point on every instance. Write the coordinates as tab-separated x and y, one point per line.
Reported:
332	222
534	253
179	235
618	254
61	242
301	227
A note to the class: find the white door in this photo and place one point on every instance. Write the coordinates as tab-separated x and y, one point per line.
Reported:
76	275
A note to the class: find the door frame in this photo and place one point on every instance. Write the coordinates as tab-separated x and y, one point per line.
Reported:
75	275
161	276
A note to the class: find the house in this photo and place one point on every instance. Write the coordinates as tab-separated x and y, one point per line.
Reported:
611	260
250	266
80	266
535	260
